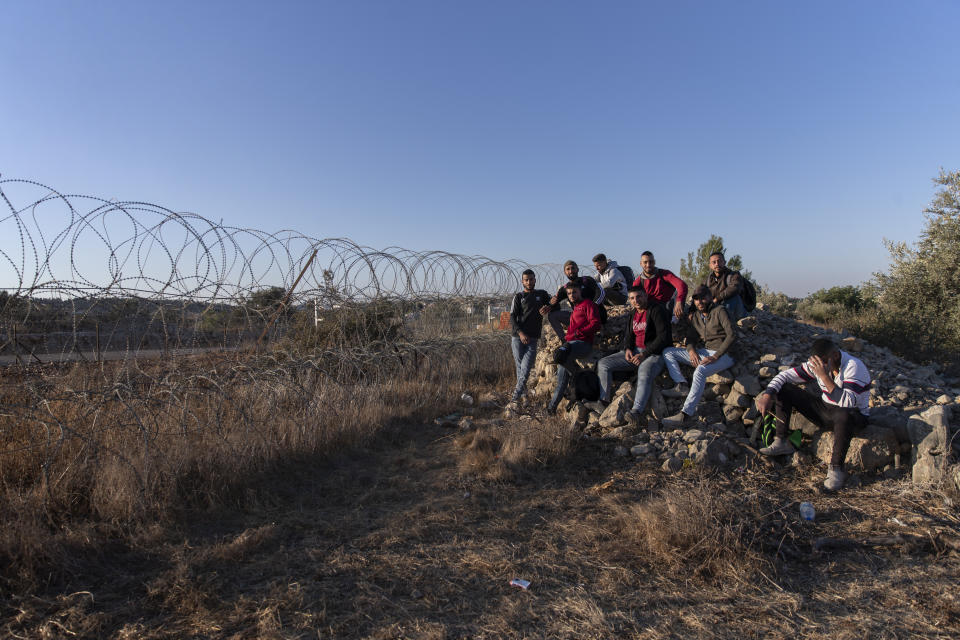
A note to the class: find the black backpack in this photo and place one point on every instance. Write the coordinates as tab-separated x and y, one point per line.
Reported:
627	274
586	385
749	293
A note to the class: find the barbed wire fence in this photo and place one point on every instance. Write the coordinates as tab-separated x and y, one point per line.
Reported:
161	315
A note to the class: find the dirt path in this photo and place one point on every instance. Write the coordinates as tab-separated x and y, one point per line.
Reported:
394	542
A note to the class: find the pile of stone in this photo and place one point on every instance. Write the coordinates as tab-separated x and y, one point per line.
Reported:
910	428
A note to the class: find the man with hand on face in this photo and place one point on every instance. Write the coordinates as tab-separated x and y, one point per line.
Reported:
526	324
578	341
590	290
842	405
711	324
661	285
644	339
726	286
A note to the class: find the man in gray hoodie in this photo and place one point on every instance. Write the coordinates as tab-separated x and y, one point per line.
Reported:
610	278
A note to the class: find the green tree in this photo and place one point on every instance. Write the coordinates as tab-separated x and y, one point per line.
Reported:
696	267
919	294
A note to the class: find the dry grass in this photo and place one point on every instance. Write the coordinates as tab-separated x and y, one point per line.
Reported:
119	444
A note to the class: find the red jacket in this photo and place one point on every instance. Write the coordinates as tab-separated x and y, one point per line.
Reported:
584	322
660	287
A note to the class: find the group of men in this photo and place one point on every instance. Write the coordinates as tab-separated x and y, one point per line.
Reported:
657	298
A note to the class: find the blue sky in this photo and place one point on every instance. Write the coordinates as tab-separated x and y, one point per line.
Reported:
803	133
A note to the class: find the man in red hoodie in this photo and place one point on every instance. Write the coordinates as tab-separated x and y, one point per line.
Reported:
661	285
578	341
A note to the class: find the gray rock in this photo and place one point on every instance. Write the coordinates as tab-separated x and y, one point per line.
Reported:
767	372
716	452
612	416
930	457
672	464
641	449
747	385
625	389
693	435
768	357
870	450
944	399
747	323
852	344
620	451
732	413
721	377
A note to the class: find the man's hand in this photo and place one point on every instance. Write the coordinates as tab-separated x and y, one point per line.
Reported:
554	300
678	309
694	357
544	310
708	360
765	402
819	368
524	338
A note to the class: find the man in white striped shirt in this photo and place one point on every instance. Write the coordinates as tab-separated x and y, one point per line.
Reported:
842	405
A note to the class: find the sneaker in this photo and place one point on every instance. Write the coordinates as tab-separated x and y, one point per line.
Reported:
679	391
596	405
836	478
675	421
779	447
633	419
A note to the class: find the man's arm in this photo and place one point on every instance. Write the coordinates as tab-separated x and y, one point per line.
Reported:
727	326
677	283
796	375
516	309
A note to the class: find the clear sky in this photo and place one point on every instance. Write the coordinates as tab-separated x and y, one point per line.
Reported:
804	133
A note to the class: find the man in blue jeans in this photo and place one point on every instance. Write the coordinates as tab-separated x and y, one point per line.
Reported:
578	340
644	339
711	324
526	324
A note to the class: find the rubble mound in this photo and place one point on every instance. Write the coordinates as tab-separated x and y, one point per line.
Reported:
909	431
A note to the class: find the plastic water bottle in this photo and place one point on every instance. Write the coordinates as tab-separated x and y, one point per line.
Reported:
807	511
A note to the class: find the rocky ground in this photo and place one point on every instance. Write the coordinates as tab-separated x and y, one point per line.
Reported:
909	432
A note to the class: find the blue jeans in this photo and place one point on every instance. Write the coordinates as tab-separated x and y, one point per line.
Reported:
673	356
649	369
578	349
524	355
735	308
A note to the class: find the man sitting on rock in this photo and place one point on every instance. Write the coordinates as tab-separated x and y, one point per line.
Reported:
590	290
578	341
661	285
526	324
842	405
710	323
609	276
726	286
644	340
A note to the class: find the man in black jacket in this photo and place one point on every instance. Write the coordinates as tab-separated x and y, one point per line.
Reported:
644	339
526	323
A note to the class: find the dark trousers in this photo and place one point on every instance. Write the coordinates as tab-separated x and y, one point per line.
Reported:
842	420
613	297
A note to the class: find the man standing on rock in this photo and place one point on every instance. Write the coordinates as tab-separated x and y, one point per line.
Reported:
711	324
661	285
842	405
644	340
726	286
590	290
609	276
578	341
526	324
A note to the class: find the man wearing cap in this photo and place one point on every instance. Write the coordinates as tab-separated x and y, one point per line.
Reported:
711	324
590	290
